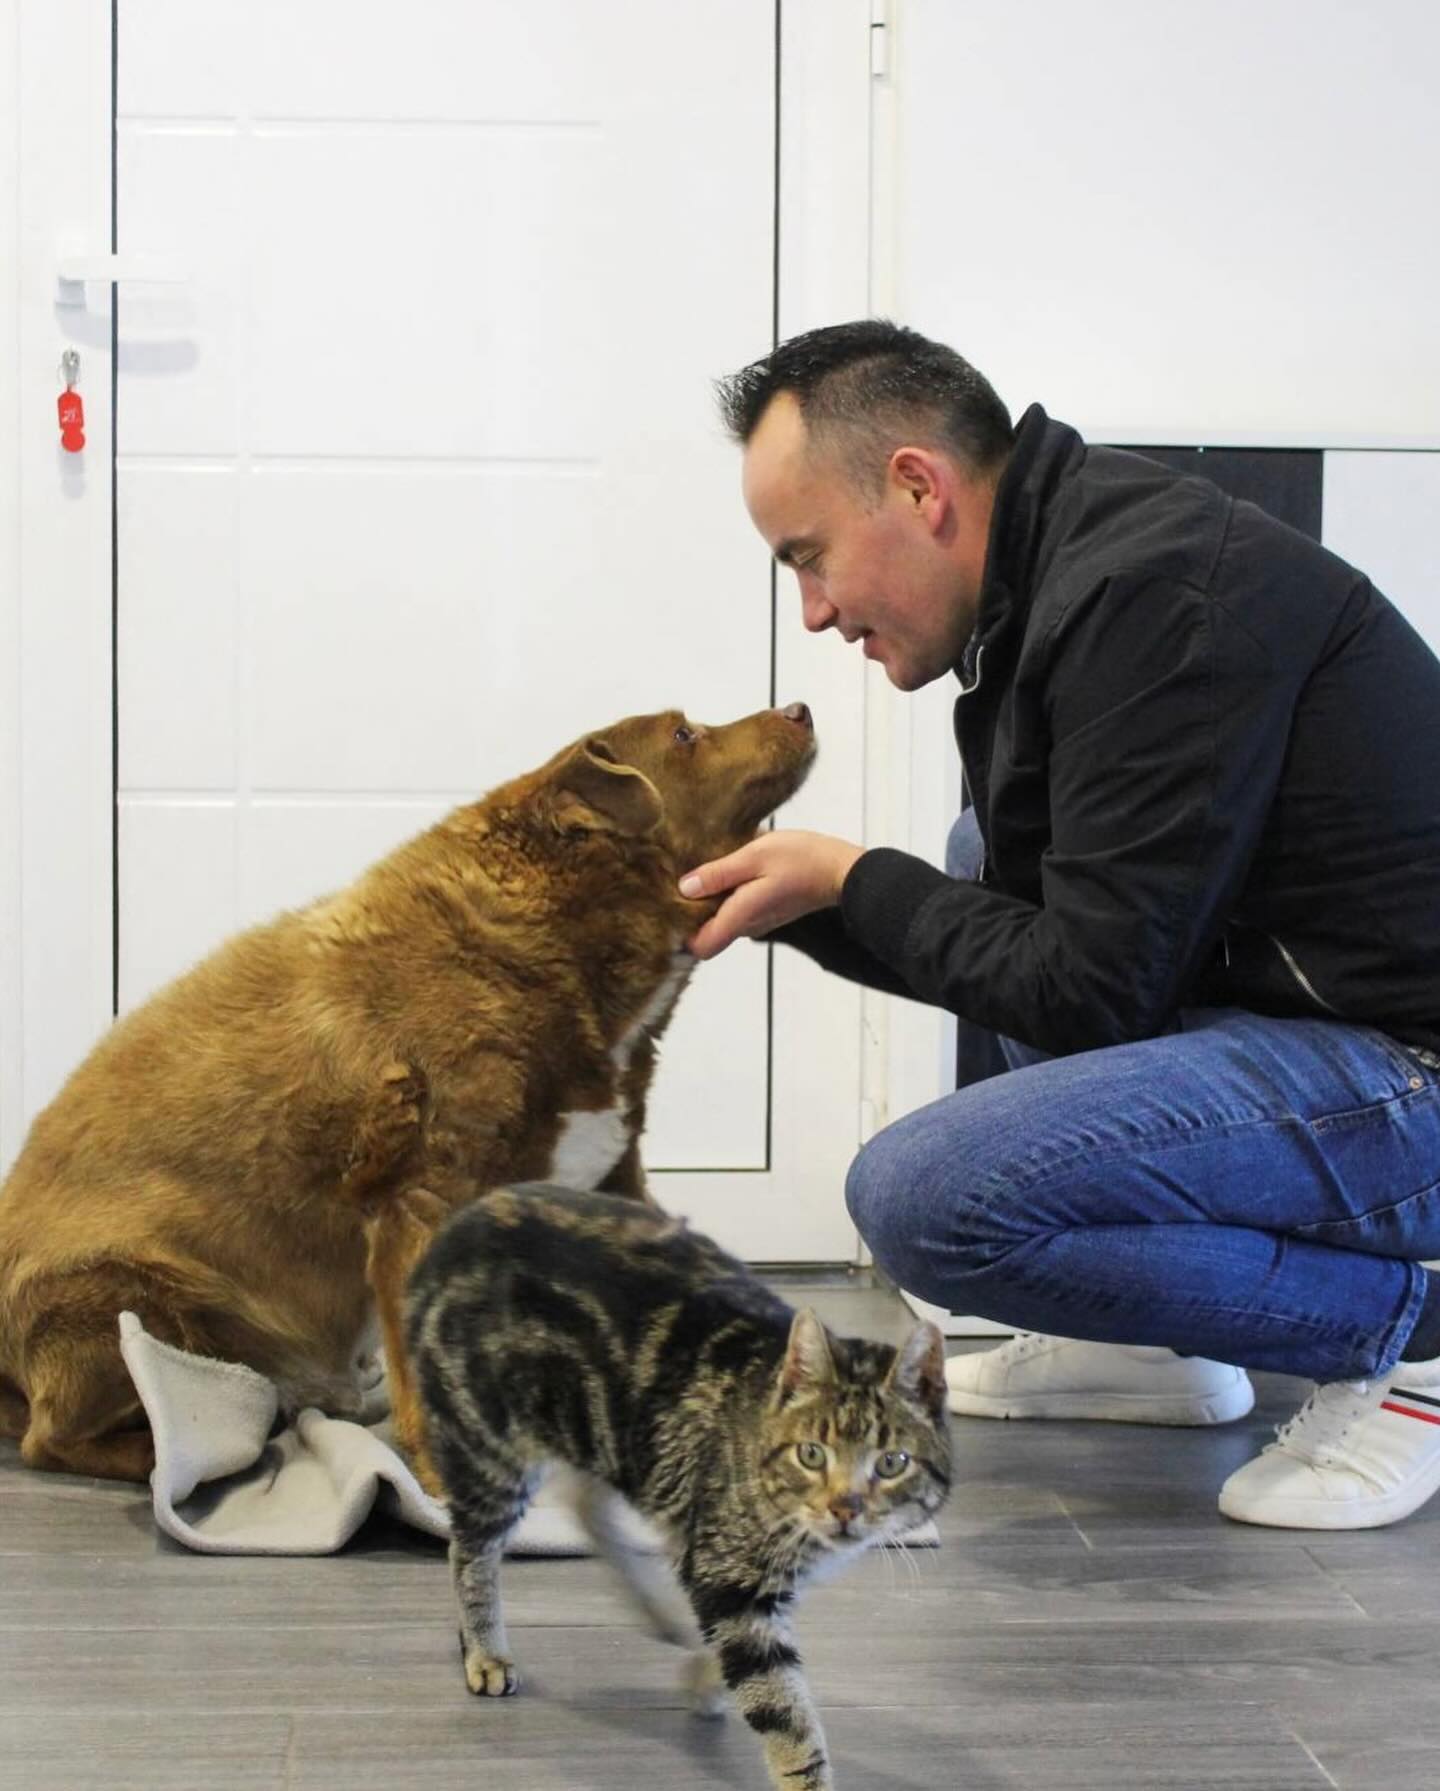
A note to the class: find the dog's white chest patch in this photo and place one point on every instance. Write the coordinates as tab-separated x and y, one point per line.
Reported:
658	1007
590	1144
588	1147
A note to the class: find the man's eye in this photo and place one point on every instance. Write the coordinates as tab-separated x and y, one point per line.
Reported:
685	736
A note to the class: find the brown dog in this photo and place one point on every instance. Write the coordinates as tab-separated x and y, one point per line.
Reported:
265	1145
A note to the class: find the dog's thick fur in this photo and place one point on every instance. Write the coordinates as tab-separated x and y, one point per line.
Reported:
266	1145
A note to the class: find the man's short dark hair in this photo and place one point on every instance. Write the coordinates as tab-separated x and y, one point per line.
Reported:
866	388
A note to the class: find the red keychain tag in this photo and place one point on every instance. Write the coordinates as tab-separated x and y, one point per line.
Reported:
72	422
72	410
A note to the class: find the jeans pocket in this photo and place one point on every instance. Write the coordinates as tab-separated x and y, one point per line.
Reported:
1379	1077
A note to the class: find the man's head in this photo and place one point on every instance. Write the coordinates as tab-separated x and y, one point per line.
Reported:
871	458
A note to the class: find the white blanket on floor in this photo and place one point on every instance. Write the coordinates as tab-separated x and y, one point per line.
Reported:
223	1484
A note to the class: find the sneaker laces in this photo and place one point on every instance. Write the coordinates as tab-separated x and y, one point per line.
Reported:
1022	1344
1318	1430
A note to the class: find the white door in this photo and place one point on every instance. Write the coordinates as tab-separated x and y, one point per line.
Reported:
418	475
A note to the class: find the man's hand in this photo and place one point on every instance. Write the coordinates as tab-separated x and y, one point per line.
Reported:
776	878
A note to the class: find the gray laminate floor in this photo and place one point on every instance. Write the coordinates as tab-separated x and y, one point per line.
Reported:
1090	1622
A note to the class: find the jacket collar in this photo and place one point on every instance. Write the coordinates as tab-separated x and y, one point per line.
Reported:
1044	456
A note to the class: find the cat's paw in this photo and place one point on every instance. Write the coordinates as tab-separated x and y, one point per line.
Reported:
704	1685
489	1675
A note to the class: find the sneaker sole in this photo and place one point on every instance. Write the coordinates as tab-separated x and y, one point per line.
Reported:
1191	1410
1358	1514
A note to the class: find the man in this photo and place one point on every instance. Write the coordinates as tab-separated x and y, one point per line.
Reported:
1195	907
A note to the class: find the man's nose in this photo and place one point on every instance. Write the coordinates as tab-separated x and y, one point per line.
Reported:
816	611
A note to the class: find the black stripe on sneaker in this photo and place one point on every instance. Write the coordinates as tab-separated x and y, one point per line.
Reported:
1419	1398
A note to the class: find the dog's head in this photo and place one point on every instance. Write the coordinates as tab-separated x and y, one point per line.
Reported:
700	791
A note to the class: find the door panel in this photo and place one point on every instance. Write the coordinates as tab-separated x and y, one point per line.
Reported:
418	475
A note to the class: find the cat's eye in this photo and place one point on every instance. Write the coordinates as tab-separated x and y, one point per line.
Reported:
810	1455
685	736
891	1464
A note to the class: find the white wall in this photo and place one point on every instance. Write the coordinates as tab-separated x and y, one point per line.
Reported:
1179	223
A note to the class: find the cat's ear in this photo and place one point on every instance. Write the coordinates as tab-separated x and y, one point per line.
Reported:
808	1363
918	1372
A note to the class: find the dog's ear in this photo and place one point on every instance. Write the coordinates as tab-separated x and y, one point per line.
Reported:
594	792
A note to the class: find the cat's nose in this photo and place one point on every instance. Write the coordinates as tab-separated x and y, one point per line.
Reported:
846	1507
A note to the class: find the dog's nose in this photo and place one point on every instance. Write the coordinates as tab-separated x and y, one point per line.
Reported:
798	712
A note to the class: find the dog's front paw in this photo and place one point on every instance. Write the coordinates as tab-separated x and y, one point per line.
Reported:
704	1684
335	1395
489	1675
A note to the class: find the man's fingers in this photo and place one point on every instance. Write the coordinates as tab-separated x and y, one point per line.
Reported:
719	875
709	942
720	930
766	883
743	916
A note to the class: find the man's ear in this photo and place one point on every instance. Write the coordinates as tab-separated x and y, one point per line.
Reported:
918	1372
592	791
918	473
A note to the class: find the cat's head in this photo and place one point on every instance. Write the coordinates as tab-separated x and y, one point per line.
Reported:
856	1442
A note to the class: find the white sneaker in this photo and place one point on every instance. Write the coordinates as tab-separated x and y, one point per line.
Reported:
1035	1376
1358	1454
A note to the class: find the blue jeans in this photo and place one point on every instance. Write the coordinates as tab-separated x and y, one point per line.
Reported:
1259	1191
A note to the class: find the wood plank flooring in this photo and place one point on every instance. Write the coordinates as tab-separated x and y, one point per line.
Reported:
1091	1624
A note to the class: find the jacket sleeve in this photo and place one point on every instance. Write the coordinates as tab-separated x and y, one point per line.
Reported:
824	937
1160	730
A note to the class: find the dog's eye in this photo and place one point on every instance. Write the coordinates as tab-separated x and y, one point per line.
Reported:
685	736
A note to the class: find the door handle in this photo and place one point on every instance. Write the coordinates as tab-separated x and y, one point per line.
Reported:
74	272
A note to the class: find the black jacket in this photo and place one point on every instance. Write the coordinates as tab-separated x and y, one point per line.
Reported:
1205	759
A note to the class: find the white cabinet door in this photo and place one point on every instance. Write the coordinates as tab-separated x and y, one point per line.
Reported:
1379	513
418	475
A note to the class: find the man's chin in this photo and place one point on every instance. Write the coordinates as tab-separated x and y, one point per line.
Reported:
908	677
902	673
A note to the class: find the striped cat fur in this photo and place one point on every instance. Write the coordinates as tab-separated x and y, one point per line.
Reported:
547	1324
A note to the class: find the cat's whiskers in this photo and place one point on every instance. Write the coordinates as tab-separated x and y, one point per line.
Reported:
893	1546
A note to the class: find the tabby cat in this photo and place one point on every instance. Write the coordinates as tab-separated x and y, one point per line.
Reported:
547	1324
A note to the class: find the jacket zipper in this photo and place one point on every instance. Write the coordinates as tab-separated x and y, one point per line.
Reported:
1301	978
1429	1060
965	691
